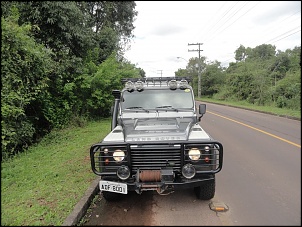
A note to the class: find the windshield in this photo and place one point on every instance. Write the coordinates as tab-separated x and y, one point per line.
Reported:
155	98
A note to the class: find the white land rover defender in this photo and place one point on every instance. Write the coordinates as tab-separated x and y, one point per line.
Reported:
156	142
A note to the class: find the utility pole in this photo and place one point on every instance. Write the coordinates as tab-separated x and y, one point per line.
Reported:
161	73
199	68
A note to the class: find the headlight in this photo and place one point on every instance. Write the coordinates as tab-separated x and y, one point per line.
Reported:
194	154
118	155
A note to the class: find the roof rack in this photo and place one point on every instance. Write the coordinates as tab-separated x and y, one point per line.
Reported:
156	81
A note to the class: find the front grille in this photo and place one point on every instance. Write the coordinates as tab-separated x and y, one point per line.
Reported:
155	156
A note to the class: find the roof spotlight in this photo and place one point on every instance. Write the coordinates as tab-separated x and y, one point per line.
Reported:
173	84
129	86
183	84
139	85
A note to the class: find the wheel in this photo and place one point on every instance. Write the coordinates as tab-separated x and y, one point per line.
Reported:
111	196
206	190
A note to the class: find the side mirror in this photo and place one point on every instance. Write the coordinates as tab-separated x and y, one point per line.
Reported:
202	110
116	94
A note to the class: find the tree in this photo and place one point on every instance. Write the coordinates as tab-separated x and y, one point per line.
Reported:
73	31
62	26
240	54
212	79
117	15
264	52
99	86
24	69
59	62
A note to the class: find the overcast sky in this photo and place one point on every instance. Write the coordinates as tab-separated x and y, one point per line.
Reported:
163	30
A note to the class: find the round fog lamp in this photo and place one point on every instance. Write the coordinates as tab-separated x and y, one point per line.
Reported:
194	154
123	172
188	171
118	155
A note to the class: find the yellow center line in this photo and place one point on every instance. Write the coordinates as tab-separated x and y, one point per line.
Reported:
277	137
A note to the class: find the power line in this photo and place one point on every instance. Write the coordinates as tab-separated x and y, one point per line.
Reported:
222	17
238	17
227	20
284	37
269	31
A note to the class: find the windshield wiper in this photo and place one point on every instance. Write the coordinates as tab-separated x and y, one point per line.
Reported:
136	108
166	108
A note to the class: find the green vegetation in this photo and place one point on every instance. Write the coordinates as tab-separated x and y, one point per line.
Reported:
42	185
261	77
283	112
60	60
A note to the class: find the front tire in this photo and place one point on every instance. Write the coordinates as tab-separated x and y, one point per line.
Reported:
206	190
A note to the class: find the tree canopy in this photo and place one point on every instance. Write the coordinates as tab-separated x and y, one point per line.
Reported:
60	60
260	75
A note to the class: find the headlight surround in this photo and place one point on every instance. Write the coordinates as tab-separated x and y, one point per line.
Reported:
194	154
118	155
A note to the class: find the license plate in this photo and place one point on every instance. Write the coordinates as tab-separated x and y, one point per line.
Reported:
110	186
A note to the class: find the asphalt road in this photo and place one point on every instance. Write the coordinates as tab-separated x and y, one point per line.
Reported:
260	181
261	176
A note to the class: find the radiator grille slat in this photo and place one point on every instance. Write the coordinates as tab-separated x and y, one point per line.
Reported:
151	157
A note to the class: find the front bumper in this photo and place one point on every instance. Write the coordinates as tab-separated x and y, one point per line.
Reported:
157	165
162	186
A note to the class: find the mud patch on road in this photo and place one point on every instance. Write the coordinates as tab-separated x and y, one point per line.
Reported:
133	209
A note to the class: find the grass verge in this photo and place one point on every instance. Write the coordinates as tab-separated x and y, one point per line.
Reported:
294	114
42	185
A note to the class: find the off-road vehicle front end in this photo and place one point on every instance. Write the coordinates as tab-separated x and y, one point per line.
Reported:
156	142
